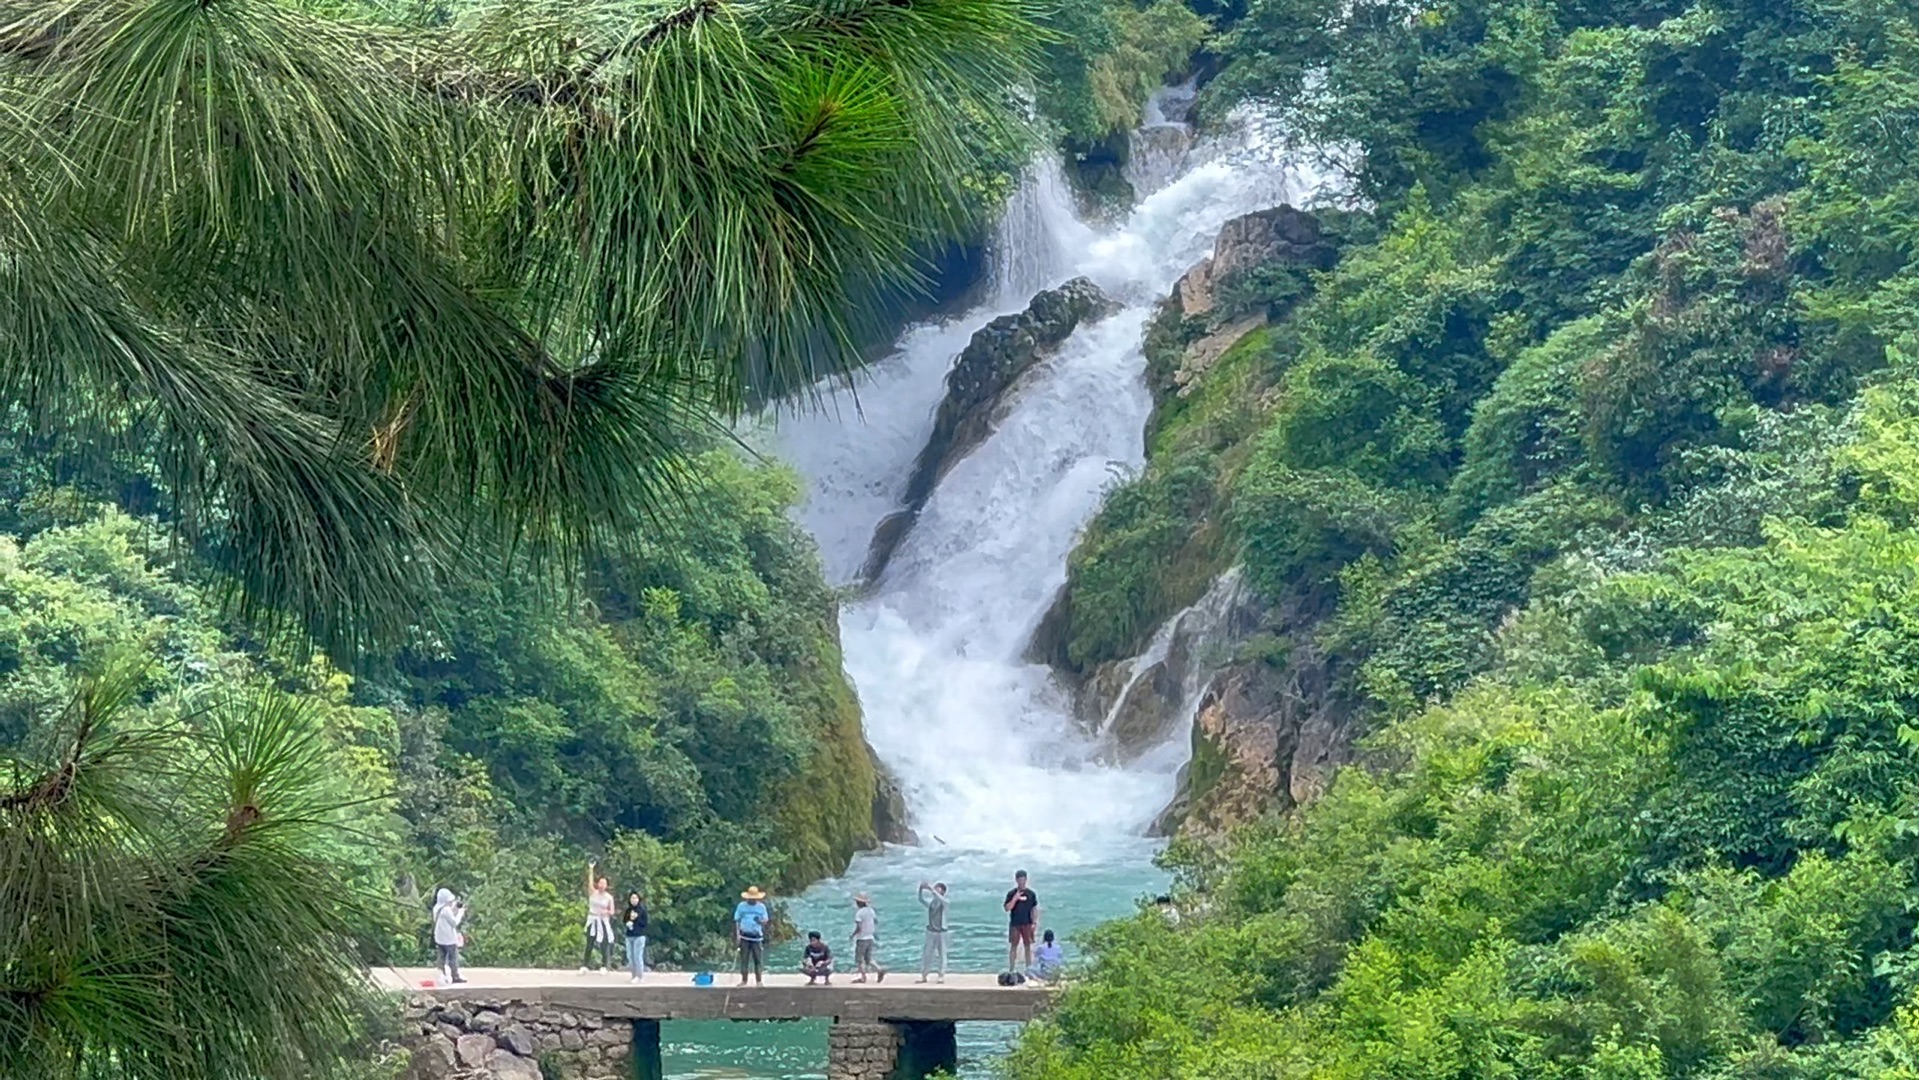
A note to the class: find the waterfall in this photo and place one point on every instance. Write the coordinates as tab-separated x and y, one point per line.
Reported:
1156	151
983	742
1039	237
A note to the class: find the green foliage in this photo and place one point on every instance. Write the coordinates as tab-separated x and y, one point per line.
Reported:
1526	430
366	299
1308	524
1606	442
1118	578
687	723
1103	58
184	834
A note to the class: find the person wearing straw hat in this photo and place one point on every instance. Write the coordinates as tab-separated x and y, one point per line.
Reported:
749	929
866	940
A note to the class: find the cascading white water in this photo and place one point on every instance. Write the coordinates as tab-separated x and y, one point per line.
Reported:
1039	237
1156	150
1194	641
982	741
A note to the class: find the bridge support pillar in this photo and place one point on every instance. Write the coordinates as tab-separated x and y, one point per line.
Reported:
926	1046
646	1051
861	1050
890	1050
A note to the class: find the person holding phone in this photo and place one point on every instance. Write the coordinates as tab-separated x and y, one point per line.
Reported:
749	930
1022	911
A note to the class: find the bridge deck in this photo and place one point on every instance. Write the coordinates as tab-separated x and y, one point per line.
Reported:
671	995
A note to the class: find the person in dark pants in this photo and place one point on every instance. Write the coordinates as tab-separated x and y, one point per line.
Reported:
1022	911
599	921
749	929
635	922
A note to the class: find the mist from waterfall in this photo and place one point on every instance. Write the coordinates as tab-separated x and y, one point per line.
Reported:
983	742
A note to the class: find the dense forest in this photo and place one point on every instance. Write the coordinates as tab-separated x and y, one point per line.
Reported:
1587	470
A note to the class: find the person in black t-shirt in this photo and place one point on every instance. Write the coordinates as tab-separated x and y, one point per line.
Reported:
1022	911
817	961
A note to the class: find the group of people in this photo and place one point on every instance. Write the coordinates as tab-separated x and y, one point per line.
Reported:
602	929
601	933
1036	956
1042	961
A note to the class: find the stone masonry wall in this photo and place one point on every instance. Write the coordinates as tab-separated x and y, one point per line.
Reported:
504	1040
856	1051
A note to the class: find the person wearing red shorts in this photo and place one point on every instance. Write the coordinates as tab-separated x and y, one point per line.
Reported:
1022	911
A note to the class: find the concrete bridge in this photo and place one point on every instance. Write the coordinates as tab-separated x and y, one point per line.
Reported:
509	1024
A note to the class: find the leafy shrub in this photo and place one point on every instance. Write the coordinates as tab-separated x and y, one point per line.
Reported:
1526	431
1302	526
1135	565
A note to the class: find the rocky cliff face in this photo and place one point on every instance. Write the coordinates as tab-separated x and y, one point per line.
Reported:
1218	302
1281	234
891	820
843	801
976	389
1267	732
1269	721
1137	703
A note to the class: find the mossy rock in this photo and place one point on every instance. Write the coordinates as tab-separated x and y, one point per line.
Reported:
824	814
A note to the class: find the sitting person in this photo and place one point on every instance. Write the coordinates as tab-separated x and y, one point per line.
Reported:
1049	960
816	962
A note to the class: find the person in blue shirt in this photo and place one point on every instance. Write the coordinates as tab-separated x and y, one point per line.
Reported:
749	929
1049	960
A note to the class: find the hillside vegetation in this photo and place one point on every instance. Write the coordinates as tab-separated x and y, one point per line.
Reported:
1594	460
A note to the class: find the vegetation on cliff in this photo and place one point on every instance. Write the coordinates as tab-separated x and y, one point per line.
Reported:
1103	58
1597	457
685	720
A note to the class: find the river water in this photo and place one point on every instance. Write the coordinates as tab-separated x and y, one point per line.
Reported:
997	775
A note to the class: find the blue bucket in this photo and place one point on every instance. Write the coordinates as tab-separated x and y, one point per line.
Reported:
703	978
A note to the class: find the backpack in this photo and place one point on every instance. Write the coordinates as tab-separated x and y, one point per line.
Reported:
1011	978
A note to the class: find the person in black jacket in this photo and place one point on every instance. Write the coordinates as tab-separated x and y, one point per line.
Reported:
635	922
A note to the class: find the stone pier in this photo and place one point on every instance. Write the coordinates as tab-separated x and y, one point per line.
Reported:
890	1050
551	1025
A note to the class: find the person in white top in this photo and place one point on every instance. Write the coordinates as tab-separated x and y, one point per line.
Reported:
599	919
866	940
447	938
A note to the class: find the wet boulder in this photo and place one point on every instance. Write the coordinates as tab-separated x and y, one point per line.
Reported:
976	393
